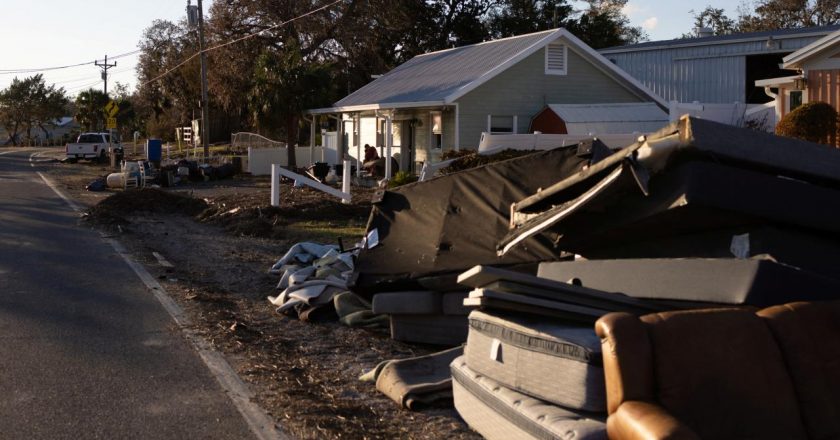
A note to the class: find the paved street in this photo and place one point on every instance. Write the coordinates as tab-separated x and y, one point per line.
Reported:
86	351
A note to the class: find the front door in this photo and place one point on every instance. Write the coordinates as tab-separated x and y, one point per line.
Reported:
407	146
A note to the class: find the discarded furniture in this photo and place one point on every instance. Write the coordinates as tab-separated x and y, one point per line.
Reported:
277	171
134	175
724	373
426	317
692	176
756	281
556	362
500	413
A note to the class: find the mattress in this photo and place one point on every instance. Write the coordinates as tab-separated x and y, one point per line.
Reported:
757	282
551	360
448	330
497	412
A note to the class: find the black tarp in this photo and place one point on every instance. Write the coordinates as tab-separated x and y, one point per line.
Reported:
444	226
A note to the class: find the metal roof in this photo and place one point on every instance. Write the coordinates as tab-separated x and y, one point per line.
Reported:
722	39
614	118
435	76
796	59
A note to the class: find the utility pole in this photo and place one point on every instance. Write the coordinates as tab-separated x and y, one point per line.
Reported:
105	66
195	16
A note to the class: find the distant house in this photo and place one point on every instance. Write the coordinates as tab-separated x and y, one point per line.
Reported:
816	69
53	133
444	100
713	69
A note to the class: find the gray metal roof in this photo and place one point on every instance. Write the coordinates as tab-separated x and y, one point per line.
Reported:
437	75
722	39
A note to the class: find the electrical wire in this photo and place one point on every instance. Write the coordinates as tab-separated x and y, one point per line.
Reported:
47	69
245	37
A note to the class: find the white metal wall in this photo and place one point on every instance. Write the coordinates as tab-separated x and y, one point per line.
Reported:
707	73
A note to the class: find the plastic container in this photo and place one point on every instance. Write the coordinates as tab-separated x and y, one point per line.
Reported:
154	149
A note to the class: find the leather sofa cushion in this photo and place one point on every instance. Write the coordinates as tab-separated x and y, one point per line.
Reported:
721	373
808	335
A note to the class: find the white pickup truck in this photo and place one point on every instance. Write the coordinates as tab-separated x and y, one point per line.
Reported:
92	146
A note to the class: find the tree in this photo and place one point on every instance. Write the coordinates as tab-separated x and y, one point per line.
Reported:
517	17
90	109
284	87
603	24
765	15
30	104
714	18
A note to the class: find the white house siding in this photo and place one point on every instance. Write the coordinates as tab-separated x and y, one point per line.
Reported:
709	73
524	89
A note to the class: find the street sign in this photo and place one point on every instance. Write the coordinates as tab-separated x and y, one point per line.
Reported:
111	108
112	123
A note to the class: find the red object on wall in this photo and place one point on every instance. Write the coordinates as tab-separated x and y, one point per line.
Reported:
548	122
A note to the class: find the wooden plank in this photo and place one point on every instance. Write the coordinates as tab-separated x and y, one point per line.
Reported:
496	304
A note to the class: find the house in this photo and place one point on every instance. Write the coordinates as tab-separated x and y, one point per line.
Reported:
444	100
816	69
713	69
55	132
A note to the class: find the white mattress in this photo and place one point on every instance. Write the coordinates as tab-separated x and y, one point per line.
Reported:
500	413
552	361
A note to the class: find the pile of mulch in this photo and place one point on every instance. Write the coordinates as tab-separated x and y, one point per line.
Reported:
251	214
111	211
248	214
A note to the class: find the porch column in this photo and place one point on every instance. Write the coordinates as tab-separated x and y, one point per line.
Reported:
389	142
312	132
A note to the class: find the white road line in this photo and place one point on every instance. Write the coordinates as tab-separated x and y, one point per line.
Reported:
258	421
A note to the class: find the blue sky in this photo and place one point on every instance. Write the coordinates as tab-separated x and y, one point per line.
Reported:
44	33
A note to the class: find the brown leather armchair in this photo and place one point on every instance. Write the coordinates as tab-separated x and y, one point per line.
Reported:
714	374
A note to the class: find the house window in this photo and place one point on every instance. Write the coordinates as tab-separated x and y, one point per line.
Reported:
501	123
555	59
436	128
795	99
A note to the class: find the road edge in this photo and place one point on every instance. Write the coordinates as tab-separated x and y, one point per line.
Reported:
260	423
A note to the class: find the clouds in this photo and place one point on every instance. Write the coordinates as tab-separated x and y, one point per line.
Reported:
650	23
639	13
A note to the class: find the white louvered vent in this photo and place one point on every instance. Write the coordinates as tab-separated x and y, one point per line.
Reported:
555	59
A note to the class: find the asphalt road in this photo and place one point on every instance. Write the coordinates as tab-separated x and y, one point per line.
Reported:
86	351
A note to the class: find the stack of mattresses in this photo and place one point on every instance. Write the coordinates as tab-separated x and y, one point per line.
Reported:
532	363
426	317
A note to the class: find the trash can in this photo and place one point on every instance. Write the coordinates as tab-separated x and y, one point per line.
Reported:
320	170
154	150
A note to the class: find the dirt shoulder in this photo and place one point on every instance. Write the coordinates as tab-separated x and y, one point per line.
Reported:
221	238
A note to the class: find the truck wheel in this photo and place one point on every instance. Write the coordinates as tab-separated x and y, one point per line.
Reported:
102	158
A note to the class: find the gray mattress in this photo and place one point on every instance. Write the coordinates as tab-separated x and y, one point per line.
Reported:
544	358
500	413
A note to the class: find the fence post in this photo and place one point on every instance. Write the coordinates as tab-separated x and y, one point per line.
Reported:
345	180
275	186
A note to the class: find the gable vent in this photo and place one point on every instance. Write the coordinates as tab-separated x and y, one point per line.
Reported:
555	59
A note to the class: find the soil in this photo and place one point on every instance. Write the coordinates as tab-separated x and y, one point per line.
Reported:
222	237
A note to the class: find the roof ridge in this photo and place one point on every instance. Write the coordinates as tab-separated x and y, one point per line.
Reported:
488	42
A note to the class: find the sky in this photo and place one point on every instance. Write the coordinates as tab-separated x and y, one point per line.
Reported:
50	33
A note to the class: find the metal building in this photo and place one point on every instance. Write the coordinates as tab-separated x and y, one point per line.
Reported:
713	69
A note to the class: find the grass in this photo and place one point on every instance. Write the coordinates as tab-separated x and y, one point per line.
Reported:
326	232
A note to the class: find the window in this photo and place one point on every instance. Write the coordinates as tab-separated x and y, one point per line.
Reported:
436	128
555	59
501	123
795	99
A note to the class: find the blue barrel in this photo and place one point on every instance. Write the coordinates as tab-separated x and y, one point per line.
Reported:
154	148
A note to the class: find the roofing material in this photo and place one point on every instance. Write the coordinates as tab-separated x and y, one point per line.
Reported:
614	118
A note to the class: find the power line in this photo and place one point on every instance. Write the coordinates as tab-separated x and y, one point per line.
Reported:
47	69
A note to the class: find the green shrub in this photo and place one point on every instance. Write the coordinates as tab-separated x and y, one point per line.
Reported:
814	121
